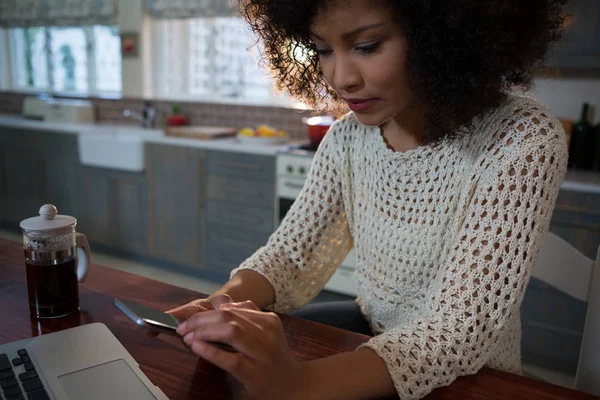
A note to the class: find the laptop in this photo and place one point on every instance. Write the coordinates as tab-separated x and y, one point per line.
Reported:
86	362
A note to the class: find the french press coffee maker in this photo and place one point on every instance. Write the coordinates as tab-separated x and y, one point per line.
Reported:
57	258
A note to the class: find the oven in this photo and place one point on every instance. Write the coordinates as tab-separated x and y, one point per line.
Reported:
292	171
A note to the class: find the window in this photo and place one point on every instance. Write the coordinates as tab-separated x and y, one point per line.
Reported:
200	57
81	60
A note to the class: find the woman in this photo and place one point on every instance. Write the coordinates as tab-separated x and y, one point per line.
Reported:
442	182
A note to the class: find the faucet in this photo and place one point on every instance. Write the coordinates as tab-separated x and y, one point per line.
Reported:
147	117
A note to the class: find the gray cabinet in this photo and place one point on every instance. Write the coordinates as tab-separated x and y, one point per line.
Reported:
228	248
240	217
176	201
552	322
251	167
576	219
36	168
207	210
113	209
580	46
240	207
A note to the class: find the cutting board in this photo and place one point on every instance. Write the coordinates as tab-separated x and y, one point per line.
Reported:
200	132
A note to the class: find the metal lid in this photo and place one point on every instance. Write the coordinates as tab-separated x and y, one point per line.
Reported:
48	220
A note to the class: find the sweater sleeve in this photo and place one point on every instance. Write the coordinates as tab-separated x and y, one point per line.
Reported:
313	238
486	269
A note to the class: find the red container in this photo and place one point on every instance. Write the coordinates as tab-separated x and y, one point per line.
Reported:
317	128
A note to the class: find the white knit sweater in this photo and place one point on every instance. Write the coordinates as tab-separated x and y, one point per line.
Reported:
445	238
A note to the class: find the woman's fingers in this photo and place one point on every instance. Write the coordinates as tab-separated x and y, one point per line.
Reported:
237	364
240	335
184	312
247	305
235	327
199	320
219	300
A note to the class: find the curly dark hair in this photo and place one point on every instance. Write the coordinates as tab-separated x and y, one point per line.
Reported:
463	54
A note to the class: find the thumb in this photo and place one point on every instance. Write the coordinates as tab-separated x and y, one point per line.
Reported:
244	305
220	300
184	312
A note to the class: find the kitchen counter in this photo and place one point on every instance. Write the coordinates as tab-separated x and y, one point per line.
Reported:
148	135
224	144
15	121
578	181
582	181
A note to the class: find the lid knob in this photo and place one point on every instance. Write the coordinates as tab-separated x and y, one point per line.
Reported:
48	211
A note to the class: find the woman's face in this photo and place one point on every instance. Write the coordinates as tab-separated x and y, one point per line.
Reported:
363	55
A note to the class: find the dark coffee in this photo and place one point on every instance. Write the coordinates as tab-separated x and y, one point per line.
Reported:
53	289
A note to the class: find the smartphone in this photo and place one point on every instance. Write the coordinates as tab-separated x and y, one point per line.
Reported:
147	317
155	320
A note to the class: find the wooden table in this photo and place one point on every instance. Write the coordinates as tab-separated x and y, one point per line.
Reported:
179	373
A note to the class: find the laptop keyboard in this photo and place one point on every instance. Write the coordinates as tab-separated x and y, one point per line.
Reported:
19	379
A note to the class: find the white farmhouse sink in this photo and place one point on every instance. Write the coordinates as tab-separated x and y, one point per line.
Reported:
114	147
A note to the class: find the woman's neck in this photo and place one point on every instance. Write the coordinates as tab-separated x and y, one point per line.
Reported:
406	130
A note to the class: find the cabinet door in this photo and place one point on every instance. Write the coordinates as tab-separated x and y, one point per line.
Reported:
576	219
251	167
228	248
61	173
3	184
113	209
36	168
25	185
579	47
240	217
176	192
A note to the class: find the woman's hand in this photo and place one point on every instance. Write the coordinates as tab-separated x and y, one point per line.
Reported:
184	312
263	362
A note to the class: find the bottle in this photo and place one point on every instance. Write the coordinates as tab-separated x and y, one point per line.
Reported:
591	141
578	153
597	151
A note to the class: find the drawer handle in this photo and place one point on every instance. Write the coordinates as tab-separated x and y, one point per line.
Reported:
553	328
233	164
243	218
291	185
246	192
577	210
572	225
236	243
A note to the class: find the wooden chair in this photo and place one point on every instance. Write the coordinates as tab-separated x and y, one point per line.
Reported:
563	267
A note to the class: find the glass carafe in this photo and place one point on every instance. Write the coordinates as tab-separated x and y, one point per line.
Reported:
56	259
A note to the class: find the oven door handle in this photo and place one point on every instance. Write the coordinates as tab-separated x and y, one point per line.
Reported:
292	185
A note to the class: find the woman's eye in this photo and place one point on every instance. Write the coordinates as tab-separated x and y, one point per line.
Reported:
324	52
368	48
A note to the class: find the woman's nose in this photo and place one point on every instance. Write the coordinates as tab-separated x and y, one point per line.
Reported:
345	74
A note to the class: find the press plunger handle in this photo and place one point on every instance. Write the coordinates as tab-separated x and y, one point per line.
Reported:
83	256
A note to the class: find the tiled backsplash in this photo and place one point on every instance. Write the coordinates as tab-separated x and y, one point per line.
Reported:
111	111
11	103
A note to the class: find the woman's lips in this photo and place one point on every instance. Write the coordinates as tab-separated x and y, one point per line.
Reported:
358	105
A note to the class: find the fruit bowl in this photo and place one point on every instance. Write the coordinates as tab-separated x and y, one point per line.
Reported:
263	134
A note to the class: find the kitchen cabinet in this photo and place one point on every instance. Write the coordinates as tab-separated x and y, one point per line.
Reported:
240	207
113	209
36	168
228	248
552	322
176	202
576	219
552	325
579	47
199	209
251	167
